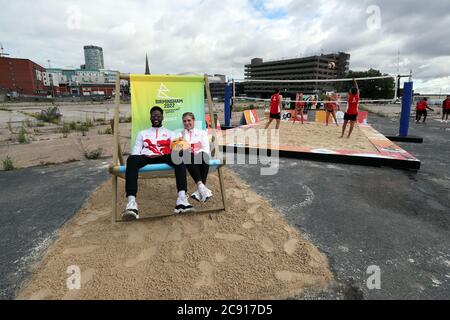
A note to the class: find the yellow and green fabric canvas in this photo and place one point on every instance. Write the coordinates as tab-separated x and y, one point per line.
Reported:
174	94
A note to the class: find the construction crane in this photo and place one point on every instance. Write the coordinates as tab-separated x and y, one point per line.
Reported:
1	51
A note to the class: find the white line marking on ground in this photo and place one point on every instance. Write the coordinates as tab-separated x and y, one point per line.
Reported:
309	198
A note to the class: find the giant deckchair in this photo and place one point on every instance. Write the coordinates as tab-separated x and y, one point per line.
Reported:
174	103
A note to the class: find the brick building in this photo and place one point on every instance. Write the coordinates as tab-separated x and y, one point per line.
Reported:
22	76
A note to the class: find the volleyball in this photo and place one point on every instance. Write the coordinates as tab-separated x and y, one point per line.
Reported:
179	144
331	65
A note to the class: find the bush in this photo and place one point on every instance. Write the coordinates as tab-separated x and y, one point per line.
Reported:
94	154
73	125
28	123
106	131
8	164
83	128
89	123
65	130
22	138
124	119
51	115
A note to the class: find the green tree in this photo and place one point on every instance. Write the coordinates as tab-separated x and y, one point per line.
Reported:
373	89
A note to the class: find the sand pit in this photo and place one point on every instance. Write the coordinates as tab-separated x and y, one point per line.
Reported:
248	252
315	136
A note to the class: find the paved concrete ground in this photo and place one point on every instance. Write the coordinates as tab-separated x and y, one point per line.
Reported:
34	204
363	216
358	216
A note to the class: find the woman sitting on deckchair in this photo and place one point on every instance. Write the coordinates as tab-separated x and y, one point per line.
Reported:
197	157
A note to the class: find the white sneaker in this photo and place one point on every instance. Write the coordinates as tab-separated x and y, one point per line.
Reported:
131	212
183	205
205	193
196	195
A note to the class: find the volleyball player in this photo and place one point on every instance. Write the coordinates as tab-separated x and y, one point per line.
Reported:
299	107
330	108
276	101
352	109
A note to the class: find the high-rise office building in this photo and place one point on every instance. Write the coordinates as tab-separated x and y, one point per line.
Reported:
307	68
93	57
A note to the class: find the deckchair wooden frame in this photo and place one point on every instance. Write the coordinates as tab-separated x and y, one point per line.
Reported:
118	159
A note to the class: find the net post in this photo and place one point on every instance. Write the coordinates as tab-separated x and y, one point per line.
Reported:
227	107
406	109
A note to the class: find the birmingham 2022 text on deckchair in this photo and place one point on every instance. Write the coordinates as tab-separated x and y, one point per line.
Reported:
175	95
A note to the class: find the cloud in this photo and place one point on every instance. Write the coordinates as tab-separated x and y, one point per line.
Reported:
222	36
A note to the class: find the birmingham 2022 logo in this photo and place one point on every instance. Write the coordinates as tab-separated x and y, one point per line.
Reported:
169	103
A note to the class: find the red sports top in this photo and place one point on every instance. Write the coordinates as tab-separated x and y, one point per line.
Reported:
421	105
275	104
447	104
353	101
299	103
153	142
330	105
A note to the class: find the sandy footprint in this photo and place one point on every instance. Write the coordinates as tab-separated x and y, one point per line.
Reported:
291	231
119	234
288	276
80	250
40	295
78	233
159	233
317	258
248	225
178	252
91	217
143	256
253	209
229	237
258	217
291	246
210	224
267	245
192	228
207	275
176	233
136	233
251	197
235	193
219	257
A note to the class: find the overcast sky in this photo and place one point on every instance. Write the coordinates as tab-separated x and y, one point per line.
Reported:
221	36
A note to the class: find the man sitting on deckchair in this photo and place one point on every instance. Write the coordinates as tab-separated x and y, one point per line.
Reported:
153	147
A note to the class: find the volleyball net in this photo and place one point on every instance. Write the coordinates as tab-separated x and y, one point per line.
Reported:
316	81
